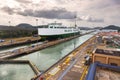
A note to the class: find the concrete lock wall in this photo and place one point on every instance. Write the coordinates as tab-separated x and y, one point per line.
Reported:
114	61
106	59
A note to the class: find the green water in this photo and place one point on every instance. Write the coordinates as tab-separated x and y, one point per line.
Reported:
15	72
43	59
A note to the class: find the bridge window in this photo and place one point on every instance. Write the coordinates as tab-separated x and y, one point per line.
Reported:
51	26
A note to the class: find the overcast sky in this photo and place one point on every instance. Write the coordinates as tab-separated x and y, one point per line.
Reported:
89	12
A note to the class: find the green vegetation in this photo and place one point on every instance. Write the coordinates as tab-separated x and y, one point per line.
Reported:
21	30
16	33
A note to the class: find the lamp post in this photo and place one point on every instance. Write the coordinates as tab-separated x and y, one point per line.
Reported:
75	26
9	22
36	22
75	19
37	26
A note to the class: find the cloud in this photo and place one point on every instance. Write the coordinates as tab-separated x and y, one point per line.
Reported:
91	19
23	1
95	20
63	1
100	11
116	1
8	10
56	13
48	14
101	4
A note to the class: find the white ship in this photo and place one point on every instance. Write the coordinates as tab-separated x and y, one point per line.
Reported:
56	30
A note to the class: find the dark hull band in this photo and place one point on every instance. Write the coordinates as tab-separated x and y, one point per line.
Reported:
52	37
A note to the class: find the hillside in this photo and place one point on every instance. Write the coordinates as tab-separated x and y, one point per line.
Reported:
113	27
26	26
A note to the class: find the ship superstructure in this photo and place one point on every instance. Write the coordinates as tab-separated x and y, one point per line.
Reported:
57	30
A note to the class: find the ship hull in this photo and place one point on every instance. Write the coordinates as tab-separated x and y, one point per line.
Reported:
53	37
57	32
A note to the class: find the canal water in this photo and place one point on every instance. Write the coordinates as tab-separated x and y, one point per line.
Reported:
16	72
43	59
